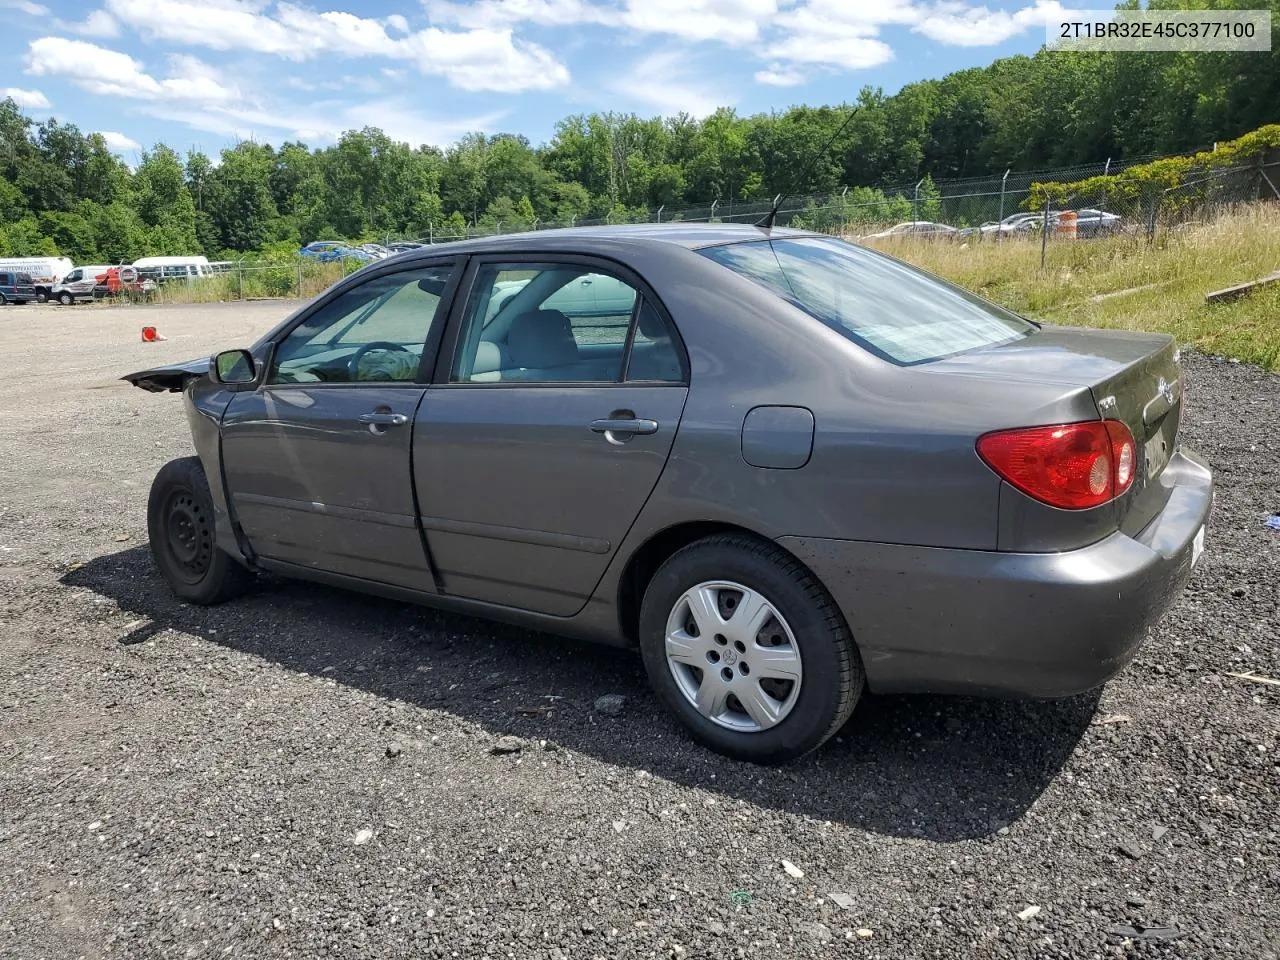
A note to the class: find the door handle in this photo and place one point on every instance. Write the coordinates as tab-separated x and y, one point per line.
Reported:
633	427
384	419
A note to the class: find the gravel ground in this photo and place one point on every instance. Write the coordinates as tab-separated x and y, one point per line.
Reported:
309	773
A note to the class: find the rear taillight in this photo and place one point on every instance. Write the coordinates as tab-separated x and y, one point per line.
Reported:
1069	465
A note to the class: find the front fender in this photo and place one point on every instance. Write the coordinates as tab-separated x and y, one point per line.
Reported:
206	402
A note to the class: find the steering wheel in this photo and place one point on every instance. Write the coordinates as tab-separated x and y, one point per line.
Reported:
353	365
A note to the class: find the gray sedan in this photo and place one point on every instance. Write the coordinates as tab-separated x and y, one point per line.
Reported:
784	467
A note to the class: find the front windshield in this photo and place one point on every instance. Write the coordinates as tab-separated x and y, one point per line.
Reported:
896	311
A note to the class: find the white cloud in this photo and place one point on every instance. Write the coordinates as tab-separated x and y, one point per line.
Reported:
665	82
486	60
727	21
832	34
778	76
27	99
981	27
99	70
506	14
26	6
478	58
97	24
397	23
118	142
230	25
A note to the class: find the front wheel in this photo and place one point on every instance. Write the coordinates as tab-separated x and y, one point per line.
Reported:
183	542
748	649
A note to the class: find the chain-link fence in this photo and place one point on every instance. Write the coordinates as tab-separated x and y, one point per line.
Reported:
299	278
959	204
1045	207
1146	208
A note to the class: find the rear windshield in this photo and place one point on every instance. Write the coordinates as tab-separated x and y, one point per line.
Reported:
894	310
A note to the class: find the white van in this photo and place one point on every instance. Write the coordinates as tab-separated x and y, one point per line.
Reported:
161	269
44	271
78	284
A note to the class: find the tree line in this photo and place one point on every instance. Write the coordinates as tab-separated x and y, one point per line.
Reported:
63	192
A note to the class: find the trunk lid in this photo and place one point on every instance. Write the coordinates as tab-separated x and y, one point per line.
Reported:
1133	377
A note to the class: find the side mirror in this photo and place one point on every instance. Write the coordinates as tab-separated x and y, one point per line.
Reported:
233	366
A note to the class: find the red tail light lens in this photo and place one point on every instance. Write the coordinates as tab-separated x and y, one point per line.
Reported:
1071	465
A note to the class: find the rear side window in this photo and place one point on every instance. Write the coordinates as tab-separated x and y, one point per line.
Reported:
894	310
561	323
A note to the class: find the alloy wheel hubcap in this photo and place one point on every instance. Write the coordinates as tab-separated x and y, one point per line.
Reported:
733	656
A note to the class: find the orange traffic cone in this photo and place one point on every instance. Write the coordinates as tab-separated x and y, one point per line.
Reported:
150	335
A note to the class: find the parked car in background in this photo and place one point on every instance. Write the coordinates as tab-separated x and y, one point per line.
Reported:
1095	223
400	246
165	269
15	287
326	251
782	466
78	284
375	250
1012	225
920	229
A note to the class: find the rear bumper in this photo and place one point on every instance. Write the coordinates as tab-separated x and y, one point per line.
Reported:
1019	624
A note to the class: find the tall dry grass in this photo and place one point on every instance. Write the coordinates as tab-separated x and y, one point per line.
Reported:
1125	283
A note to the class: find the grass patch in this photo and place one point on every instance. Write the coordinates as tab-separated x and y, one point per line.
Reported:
1124	283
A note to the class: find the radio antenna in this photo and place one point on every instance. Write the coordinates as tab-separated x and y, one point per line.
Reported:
766	222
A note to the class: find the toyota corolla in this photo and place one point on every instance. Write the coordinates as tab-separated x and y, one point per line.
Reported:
784	467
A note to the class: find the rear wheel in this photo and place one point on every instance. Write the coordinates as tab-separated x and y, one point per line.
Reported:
748	650
3	300
66	299
183	542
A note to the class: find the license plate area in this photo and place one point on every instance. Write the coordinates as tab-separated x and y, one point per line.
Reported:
1157	451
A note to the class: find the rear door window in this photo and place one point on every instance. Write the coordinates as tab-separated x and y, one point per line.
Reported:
562	323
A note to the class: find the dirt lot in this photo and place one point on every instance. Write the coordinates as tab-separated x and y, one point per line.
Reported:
308	773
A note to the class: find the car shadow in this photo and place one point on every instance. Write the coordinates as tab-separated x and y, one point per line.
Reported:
939	768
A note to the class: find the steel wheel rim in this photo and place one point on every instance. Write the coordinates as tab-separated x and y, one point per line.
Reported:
733	656
188	535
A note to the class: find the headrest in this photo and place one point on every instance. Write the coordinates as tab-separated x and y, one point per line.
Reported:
541	338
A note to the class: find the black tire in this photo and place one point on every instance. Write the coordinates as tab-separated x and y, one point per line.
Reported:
66	299
41	296
3	301
833	675
180	526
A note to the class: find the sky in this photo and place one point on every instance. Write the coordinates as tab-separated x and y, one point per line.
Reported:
205	74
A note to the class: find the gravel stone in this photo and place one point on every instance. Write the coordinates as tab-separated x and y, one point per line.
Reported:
507	744
842	900
235	767
611	704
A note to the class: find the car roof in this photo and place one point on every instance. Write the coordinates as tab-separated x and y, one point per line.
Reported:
584	239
